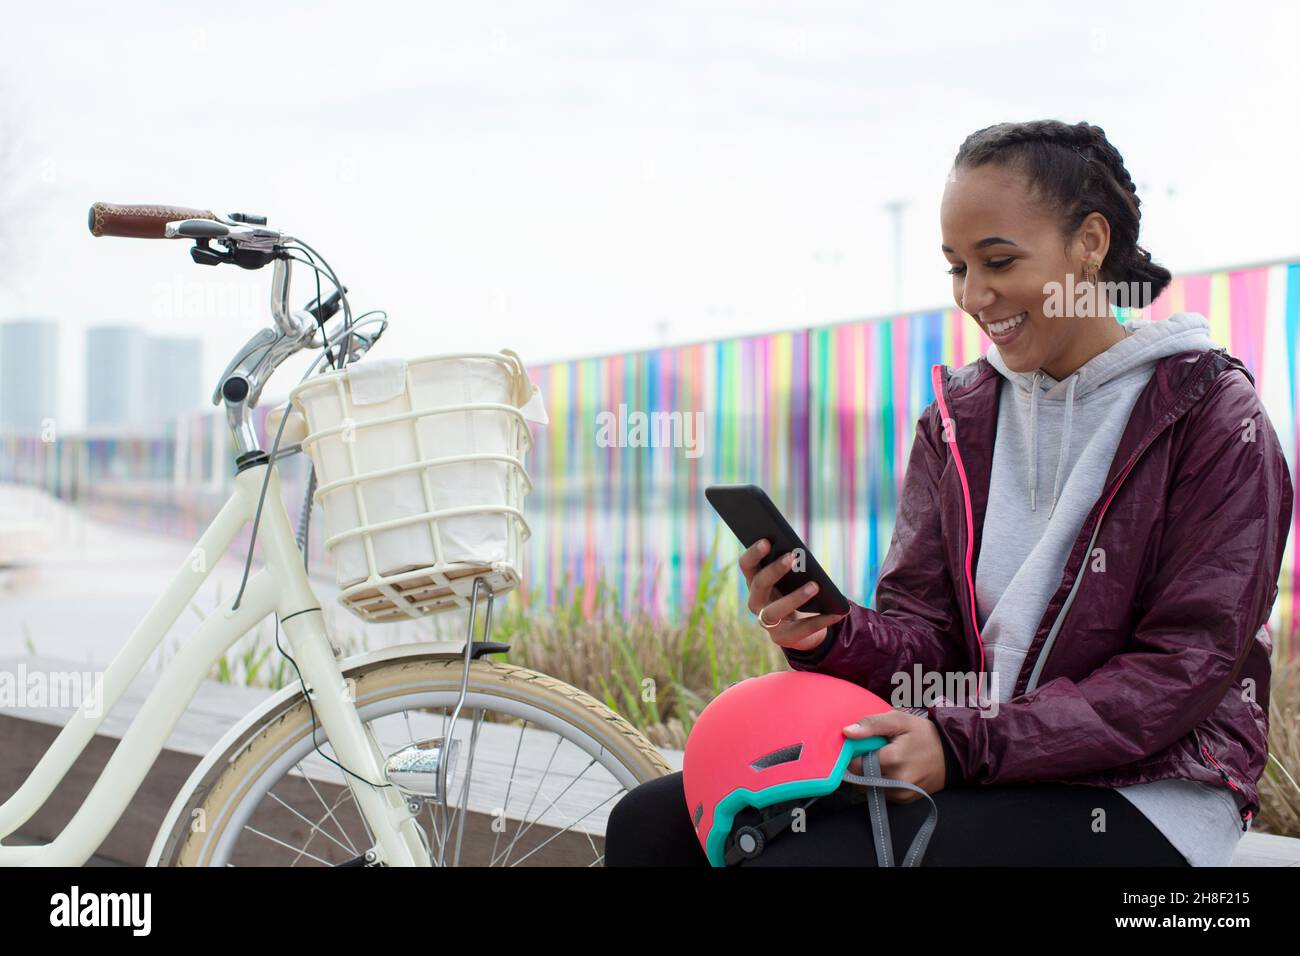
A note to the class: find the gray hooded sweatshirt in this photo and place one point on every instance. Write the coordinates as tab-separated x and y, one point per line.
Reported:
1055	443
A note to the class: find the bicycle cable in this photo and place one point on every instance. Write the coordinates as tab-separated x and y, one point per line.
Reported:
275	448
320	322
326	342
343	296
257	517
307	697
304	515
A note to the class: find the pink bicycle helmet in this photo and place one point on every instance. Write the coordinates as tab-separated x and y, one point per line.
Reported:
770	745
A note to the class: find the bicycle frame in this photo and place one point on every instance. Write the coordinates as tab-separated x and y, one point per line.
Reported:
282	587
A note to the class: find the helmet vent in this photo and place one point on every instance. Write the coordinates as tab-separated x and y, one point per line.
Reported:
784	755
697	815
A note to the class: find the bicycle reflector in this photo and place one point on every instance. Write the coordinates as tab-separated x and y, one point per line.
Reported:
769	746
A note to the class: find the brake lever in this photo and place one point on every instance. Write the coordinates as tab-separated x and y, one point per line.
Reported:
260	356
322	312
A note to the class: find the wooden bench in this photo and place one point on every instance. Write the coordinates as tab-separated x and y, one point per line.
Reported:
28	732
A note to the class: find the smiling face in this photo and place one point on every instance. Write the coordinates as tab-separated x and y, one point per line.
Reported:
1006	251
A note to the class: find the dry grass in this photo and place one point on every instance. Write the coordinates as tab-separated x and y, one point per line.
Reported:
1279	787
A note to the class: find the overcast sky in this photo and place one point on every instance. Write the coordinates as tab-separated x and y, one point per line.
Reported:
582	178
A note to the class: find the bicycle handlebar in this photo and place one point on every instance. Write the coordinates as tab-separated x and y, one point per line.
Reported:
247	243
139	222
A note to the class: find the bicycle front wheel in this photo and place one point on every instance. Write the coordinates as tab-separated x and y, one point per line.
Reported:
539	767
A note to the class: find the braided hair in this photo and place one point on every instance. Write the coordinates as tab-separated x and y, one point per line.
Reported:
1075	170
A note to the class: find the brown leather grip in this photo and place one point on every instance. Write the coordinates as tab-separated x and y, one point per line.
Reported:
138	222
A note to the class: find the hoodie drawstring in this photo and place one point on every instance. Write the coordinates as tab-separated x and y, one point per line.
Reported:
1033	434
1143	344
1065	441
1033	441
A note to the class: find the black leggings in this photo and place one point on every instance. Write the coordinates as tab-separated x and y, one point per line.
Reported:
1040	824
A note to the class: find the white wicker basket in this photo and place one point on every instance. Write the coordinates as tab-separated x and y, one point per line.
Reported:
420	465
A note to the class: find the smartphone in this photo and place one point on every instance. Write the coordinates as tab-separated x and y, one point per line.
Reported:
750	514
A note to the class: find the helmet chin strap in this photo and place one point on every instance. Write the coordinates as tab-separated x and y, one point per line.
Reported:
880	818
875	783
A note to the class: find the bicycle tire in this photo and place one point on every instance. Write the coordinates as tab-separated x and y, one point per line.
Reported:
380	690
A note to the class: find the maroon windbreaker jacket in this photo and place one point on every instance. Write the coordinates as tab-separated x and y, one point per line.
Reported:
1155	667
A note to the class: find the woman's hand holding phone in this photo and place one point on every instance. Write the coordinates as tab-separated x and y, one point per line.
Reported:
798	630
914	752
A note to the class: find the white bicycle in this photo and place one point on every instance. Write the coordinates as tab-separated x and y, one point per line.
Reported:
363	761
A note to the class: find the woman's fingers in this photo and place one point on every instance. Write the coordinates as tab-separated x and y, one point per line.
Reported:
762	589
785	606
765	579
750	557
797	628
798	631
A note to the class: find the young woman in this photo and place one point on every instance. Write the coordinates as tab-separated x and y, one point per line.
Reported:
1091	526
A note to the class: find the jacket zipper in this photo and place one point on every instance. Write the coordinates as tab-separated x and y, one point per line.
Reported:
1246	815
970	518
1041	660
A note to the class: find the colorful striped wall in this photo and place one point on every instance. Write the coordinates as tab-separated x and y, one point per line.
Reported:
823	420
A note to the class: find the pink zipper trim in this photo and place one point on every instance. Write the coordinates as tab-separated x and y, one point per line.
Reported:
1118	481
1223	773
1246	815
970	518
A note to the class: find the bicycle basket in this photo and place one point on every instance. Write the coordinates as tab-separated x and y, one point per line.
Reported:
420	465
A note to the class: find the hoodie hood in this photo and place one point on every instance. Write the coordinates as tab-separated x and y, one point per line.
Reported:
1145	341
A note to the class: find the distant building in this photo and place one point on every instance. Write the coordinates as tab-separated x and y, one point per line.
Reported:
29	374
136	379
175	384
115	373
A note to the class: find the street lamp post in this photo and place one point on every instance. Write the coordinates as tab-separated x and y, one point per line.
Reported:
895	209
